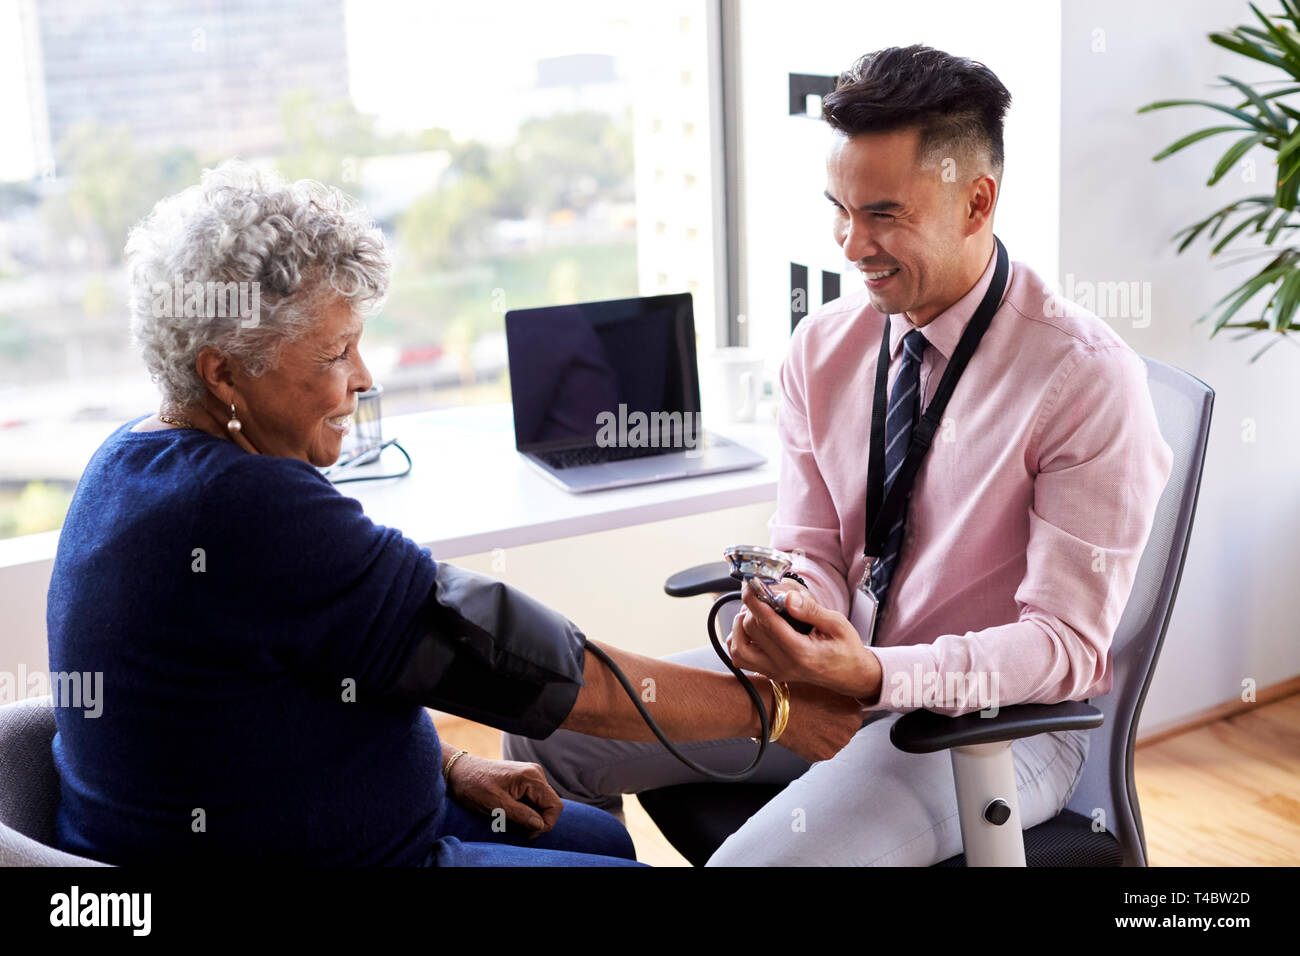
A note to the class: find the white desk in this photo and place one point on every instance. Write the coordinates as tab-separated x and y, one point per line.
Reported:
469	491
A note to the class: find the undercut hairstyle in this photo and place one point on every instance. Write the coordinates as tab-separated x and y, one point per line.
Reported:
956	104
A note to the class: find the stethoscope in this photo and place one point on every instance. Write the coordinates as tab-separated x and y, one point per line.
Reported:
762	568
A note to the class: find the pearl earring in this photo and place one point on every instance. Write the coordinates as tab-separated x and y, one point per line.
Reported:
234	425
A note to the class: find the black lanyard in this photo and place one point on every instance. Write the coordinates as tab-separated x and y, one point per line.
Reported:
923	431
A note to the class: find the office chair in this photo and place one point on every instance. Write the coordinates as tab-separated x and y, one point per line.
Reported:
697	818
29	787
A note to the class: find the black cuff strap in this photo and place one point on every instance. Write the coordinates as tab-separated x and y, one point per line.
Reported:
492	654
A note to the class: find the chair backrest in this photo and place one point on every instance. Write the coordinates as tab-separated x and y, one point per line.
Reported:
1183	404
29	787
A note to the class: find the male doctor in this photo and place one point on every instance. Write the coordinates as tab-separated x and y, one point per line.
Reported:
985	567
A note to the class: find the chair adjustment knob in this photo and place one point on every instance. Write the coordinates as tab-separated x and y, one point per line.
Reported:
997	812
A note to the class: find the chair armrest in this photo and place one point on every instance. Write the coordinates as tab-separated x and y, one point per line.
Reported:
712	578
924	731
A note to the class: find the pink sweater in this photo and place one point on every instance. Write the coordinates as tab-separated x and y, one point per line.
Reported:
1029	513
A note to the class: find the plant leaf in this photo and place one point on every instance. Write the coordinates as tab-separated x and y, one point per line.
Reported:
1244	31
1285	302
1253	121
1290	146
1242	287
1287	182
1248	291
1200	134
1277	227
1289	47
1274	263
1236	230
1193	232
1234	153
1292	12
1259	103
1235	206
1285	91
1289	194
1253	50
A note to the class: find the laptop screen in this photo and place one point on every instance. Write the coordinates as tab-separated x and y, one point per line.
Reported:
574	369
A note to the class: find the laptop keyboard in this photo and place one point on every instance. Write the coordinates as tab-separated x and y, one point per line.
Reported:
573	457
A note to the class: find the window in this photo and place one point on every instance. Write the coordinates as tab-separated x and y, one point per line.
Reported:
515	154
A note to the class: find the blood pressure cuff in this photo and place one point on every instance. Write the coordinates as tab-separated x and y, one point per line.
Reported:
492	654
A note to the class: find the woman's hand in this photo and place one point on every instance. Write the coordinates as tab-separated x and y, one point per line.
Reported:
832	655
519	789
821	723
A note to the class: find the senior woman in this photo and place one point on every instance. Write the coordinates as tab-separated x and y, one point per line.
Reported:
267	651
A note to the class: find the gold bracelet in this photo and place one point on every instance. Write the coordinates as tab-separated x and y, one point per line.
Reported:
446	770
781	711
781	693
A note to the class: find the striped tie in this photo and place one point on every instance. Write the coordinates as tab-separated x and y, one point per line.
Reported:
904	409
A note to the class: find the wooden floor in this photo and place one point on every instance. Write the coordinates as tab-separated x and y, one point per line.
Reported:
1223	794
1227	793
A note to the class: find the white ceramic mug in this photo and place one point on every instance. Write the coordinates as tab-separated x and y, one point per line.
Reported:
737	383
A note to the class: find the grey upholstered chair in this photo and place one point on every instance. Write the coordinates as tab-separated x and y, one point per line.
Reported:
696	818
29	787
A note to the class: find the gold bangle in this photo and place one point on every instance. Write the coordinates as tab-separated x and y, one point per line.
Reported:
781	711
446	769
781	694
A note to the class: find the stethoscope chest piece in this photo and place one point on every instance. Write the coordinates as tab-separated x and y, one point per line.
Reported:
751	560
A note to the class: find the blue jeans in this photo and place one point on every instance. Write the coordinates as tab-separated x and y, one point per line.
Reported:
582	836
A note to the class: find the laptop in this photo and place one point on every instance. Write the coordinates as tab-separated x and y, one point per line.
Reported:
607	394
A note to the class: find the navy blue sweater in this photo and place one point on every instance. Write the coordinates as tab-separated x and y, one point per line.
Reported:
248	619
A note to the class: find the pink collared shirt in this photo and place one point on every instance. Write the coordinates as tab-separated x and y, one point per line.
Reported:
1029	513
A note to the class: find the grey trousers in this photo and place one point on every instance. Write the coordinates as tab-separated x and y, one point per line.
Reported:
869	805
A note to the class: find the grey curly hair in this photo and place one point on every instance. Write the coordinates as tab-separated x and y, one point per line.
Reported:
297	244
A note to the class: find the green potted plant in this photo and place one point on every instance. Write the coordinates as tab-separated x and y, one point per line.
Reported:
1262	119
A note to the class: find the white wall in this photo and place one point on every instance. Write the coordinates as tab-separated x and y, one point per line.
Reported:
1238	606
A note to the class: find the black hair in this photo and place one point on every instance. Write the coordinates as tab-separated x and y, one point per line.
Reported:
957	104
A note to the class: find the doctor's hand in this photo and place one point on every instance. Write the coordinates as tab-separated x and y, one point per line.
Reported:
832	655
